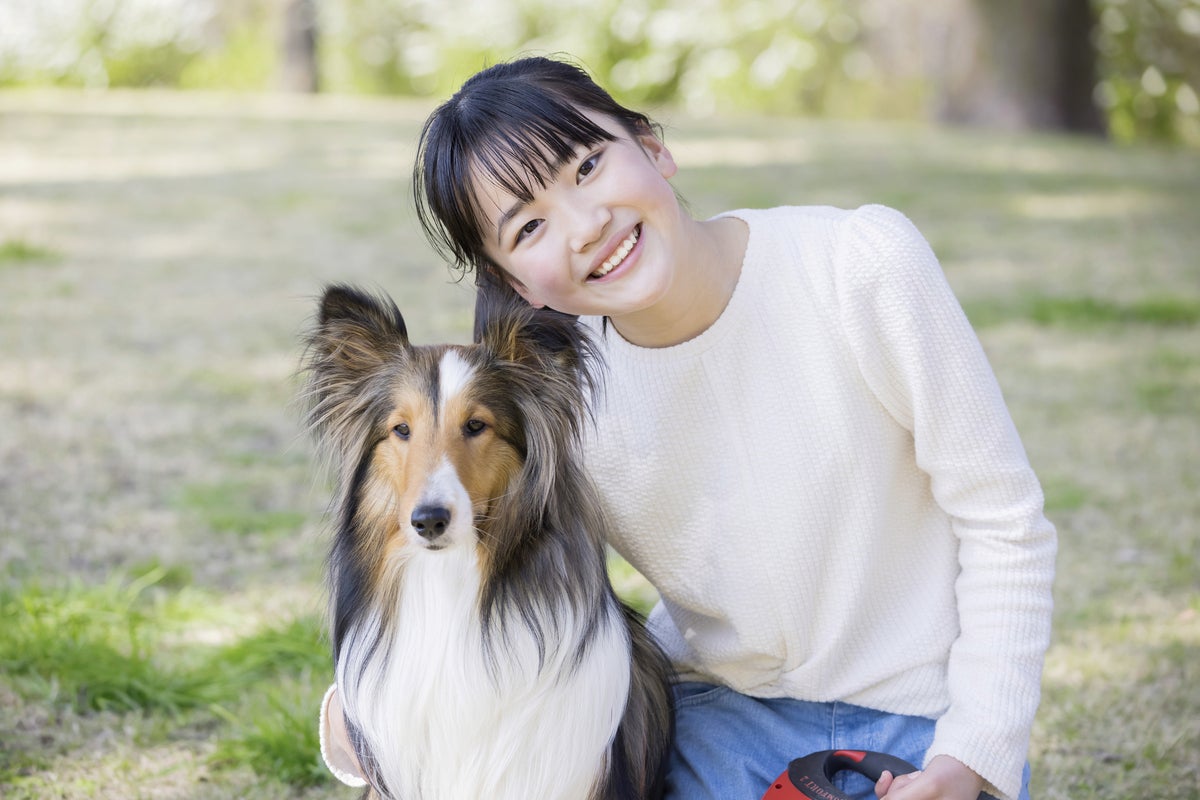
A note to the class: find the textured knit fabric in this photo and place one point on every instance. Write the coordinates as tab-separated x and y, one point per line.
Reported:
827	490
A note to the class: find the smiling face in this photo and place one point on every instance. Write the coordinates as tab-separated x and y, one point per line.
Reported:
599	237
534	176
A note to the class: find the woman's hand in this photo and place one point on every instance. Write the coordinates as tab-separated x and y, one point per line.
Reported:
945	778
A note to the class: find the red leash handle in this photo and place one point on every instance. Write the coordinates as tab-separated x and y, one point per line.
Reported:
811	777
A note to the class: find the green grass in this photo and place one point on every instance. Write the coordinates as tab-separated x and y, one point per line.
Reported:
1062	495
123	647
19	251
1087	312
1124	703
280	675
240	508
161	548
631	586
94	648
276	734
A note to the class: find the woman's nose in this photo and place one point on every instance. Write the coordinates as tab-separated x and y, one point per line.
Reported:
588	224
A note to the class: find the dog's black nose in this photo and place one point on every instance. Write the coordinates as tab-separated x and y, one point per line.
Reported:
430	521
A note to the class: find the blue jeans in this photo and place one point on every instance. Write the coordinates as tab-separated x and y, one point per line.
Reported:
730	746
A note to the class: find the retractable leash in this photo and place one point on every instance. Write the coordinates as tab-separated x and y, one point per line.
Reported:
811	777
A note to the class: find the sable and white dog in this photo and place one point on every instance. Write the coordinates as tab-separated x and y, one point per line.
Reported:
480	650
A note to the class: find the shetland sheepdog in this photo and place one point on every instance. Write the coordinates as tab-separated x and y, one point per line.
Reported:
479	649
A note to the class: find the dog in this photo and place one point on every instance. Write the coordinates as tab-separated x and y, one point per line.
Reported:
479	648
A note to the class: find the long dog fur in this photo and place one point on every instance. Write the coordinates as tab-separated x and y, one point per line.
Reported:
489	657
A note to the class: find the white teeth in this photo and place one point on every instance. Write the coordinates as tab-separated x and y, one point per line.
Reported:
618	256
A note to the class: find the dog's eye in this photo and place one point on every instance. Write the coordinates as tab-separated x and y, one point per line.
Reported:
474	427
402	430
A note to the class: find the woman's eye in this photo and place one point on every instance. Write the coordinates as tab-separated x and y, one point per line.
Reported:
474	427
589	165
528	228
402	430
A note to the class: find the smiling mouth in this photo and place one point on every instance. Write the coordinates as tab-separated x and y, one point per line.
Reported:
619	254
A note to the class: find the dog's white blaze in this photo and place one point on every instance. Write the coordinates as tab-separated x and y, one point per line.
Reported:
445	728
453	376
443	487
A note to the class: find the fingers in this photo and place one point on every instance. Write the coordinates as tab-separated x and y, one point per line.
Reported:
944	778
888	783
883	784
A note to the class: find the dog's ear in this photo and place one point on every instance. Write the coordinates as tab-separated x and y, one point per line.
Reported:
541	339
356	333
495	299
356	337
537	337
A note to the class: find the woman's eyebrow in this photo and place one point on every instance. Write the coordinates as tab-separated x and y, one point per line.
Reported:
506	216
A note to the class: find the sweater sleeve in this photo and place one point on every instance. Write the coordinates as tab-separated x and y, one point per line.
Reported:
918	353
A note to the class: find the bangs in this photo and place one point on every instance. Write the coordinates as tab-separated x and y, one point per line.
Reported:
521	149
518	140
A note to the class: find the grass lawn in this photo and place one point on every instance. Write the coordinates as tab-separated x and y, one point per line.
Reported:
161	540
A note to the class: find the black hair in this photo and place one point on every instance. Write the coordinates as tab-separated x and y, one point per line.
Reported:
516	124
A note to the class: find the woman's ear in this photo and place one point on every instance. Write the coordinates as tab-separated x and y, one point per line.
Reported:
491	278
658	153
529	298
524	291
496	293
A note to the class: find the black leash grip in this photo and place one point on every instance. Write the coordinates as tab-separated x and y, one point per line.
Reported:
810	777
816	770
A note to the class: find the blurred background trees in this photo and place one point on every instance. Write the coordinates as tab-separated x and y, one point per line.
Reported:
1020	64
1129	68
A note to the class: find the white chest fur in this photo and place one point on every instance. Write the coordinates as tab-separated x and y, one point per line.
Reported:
448	723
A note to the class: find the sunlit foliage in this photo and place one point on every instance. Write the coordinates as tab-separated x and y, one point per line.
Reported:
1150	64
830	57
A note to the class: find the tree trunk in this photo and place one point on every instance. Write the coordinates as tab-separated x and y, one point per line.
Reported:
300	72
1019	65
1077	74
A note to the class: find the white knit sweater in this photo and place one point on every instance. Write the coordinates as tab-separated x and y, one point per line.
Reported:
828	491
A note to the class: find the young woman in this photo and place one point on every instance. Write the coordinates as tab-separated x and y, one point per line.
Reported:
800	440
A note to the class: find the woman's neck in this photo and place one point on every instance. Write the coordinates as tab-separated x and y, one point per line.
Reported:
705	278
